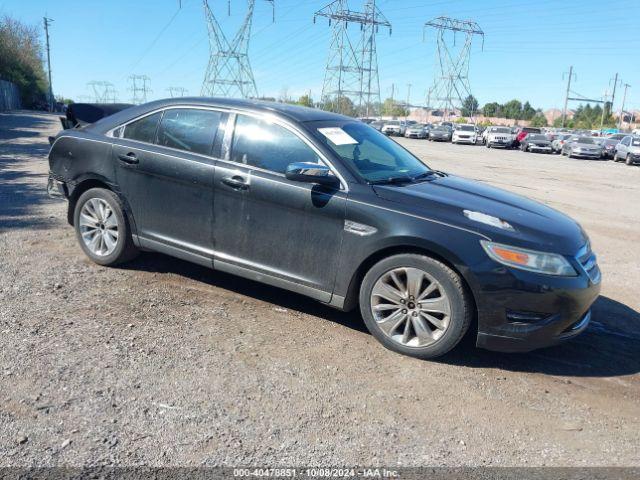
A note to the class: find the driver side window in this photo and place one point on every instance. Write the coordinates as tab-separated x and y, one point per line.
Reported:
269	146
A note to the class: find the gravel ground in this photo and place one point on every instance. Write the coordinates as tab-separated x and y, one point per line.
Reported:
161	362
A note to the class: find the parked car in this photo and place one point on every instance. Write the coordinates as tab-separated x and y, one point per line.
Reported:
582	147
418	130
617	136
322	205
465	133
536	142
523	132
440	133
558	142
609	147
500	137
377	125
394	127
628	150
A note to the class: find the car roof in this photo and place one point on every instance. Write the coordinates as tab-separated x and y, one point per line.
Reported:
292	112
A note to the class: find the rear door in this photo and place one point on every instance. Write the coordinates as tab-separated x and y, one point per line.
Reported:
170	180
269	225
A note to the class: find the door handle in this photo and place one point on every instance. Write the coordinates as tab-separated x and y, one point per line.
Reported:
236	181
130	158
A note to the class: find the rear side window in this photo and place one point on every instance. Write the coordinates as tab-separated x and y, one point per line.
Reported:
269	146
189	129
143	130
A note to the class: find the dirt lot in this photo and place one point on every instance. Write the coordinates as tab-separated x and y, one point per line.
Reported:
165	363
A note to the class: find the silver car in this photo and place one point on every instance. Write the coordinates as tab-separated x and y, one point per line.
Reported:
582	147
628	150
418	130
558	142
394	127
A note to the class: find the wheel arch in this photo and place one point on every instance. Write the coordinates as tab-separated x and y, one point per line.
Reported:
430	250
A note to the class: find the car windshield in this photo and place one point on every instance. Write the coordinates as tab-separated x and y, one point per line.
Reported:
393	122
467	128
587	140
441	129
501	130
375	156
537	138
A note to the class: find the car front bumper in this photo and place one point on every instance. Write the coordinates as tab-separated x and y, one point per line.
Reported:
540	149
470	141
586	154
520	311
56	188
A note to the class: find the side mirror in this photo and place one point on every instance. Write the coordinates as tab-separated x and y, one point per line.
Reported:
311	173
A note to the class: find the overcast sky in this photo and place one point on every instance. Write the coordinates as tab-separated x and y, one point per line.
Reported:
528	45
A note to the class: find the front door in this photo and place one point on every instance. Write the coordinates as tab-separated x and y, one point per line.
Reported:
268	224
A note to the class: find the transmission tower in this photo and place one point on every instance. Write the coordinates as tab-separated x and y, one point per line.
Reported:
103	92
451	82
229	72
351	75
177	92
139	88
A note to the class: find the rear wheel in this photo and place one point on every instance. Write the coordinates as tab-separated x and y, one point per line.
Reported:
102	228
629	159
415	305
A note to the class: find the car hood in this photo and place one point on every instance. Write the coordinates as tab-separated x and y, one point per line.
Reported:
444	199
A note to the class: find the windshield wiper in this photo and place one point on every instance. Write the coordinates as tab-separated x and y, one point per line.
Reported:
391	181
429	173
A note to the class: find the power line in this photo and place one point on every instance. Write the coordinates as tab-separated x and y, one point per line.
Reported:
351	74
229	72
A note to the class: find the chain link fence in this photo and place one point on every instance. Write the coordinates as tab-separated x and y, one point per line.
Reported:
9	96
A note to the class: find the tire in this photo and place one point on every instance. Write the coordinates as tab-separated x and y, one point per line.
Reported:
106	252
628	160
434	340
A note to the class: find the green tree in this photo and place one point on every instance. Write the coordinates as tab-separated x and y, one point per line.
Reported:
528	112
305	101
469	106
391	108
461	120
513	109
492	109
21	59
539	120
342	105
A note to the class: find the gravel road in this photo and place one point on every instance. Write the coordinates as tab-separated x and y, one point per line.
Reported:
161	362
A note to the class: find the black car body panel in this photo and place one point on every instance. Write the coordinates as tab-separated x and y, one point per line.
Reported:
318	240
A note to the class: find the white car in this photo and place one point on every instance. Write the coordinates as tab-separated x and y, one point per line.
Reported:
500	137
394	127
465	133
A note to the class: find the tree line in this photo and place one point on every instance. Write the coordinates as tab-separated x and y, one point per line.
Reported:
21	60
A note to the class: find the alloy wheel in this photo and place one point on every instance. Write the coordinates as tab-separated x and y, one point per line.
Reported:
410	307
98	227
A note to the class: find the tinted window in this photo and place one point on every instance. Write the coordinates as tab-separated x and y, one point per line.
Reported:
143	130
266	145
187	129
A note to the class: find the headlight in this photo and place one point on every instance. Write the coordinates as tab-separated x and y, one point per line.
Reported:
530	260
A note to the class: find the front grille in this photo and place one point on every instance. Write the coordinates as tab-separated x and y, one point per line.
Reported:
589	262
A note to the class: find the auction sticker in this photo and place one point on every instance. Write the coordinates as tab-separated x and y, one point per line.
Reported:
338	136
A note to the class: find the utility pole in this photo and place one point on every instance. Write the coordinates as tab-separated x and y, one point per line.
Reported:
604	110
566	98
624	99
47	22
408	100
613	95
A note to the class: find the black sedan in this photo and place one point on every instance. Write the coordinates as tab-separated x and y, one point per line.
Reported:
440	133
536	142
326	206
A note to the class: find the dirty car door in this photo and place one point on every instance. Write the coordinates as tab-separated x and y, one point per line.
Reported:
268	224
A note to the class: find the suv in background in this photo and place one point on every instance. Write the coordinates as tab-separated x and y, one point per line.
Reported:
394	127
500	137
465	133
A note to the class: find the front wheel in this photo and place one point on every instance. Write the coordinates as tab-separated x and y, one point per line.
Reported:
102	228
628	160
415	305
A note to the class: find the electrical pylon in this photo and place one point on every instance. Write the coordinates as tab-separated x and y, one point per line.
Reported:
229	72
139	88
103	92
451	81
351	84
177	92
